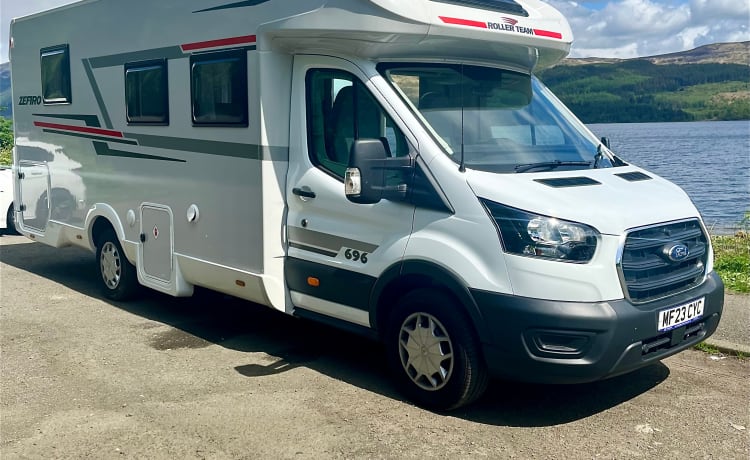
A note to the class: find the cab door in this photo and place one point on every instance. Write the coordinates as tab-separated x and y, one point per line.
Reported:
337	249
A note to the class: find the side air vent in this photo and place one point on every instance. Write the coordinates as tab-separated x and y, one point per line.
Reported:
502	6
568	182
634	176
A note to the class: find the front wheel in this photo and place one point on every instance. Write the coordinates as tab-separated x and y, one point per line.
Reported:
433	351
118	275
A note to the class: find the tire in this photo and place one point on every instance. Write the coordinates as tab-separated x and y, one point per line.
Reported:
118	276
433	351
10	222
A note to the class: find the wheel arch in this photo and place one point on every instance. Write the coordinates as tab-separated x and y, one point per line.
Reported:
101	218
99	226
409	275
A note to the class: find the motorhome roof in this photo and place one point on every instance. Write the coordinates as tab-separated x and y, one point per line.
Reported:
525	33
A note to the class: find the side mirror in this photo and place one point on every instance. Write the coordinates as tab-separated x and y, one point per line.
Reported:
605	141
364	180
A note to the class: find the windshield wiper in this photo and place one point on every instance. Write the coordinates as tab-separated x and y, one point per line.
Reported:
614	159
550	165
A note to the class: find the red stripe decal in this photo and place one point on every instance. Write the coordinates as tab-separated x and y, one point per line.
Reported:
463	22
247	39
79	129
547	33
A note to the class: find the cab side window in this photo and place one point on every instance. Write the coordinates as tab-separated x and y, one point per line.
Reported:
340	110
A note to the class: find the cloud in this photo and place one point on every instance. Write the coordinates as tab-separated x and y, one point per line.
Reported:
632	28
721	9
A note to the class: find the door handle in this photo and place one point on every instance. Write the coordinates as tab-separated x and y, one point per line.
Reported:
304	193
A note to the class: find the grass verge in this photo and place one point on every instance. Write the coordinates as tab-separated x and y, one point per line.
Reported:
707	348
715	351
732	260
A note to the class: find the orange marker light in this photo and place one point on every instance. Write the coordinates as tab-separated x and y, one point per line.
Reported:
314	282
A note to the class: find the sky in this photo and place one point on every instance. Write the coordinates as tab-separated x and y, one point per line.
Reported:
604	28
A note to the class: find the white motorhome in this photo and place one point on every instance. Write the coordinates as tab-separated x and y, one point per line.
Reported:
390	167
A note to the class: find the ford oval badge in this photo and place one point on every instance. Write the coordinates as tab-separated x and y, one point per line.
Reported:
678	252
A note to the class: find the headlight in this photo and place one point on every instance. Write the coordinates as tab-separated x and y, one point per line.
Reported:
529	234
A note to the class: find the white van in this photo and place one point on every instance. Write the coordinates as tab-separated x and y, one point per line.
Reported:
393	168
7	214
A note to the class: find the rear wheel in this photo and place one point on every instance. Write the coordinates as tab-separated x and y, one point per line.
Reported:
118	276
434	353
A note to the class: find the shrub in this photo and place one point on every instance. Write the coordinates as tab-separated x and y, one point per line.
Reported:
732	257
6	141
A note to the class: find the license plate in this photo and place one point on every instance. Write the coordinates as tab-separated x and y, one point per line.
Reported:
675	317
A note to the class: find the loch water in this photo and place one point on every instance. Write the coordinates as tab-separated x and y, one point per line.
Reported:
709	160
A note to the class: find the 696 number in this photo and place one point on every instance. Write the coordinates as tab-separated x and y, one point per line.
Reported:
353	254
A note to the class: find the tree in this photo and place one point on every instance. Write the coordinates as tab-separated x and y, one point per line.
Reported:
6	141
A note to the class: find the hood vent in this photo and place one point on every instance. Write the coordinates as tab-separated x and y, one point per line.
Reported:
568	182
634	176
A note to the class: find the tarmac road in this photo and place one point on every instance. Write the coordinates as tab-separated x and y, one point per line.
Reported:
215	377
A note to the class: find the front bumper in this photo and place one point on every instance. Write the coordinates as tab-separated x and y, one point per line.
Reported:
573	342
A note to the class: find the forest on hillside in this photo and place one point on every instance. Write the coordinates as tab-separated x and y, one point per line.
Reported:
641	91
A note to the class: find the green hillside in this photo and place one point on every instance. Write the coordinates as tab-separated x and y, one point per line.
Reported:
640	90
5	101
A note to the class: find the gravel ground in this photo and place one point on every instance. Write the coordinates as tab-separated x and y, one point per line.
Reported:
215	377
734	327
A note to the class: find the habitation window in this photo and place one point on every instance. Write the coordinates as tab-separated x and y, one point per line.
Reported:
219	88
147	93
55	64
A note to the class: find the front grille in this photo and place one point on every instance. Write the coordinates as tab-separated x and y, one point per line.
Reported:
646	270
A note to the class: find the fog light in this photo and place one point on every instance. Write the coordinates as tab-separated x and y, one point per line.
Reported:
559	344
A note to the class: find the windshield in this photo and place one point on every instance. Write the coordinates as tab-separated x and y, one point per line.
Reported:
497	120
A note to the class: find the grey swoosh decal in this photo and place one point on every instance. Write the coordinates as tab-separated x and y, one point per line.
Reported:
323	241
324	252
97	93
219	148
170	52
234	5
103	149
90	120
